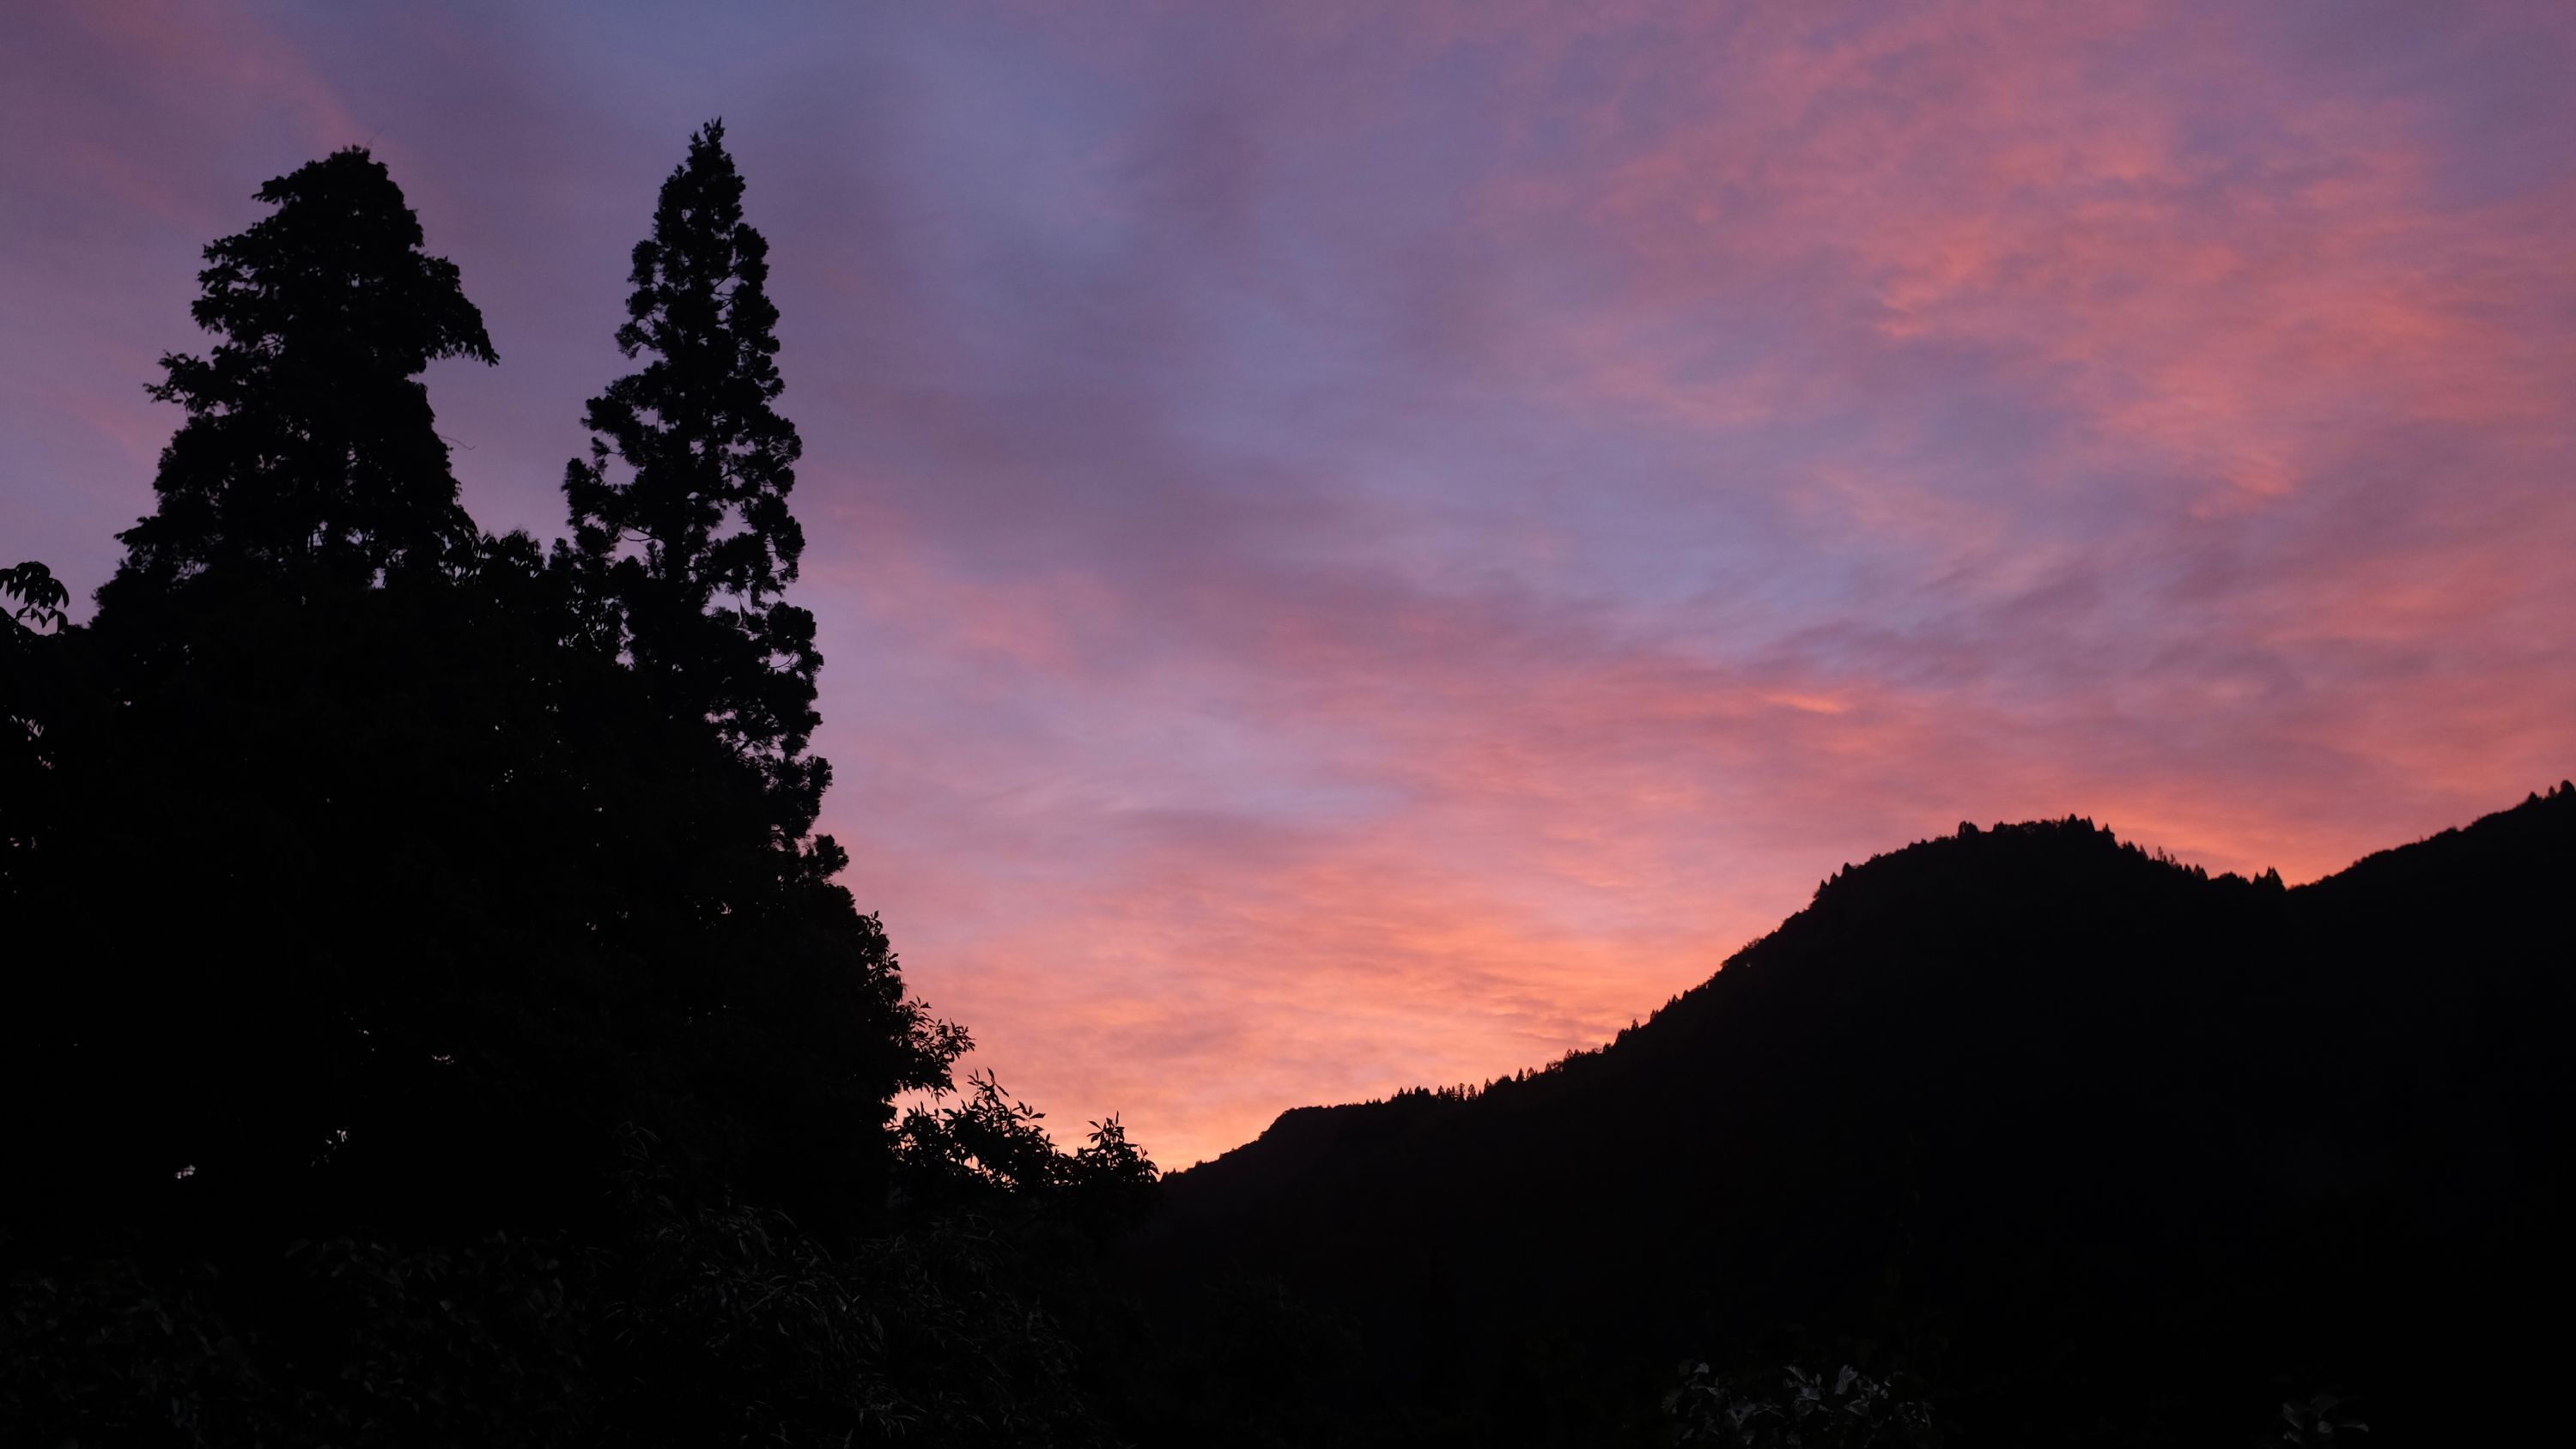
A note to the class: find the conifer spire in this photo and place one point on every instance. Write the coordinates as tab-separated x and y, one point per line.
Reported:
680	512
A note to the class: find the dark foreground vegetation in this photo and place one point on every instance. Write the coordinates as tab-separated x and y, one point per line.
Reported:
431	1018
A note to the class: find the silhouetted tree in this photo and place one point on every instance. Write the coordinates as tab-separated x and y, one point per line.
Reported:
680	513
424	1022
308	445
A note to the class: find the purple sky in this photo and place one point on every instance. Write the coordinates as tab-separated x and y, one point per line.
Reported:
1365	545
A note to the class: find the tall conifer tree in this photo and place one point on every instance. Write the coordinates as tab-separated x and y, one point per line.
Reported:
309	449
680	512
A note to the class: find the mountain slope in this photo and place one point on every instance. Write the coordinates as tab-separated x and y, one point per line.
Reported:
2095	1143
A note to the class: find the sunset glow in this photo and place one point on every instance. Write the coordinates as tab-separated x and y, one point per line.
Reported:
1360	546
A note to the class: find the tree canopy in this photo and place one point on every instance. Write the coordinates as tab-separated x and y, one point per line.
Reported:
428	1015
309	444
680	511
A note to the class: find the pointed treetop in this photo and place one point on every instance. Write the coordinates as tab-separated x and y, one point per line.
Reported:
709	455
680	512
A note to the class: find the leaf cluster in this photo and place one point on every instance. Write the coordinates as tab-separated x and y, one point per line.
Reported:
1794	1409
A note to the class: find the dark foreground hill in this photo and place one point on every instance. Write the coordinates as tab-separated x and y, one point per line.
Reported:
2094	1147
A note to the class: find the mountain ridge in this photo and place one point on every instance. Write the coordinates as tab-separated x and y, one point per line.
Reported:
1299	1123
1980	1084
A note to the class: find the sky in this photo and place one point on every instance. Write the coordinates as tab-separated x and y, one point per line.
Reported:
1370	545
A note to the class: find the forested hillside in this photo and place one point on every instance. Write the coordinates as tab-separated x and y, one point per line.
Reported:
2081	1144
